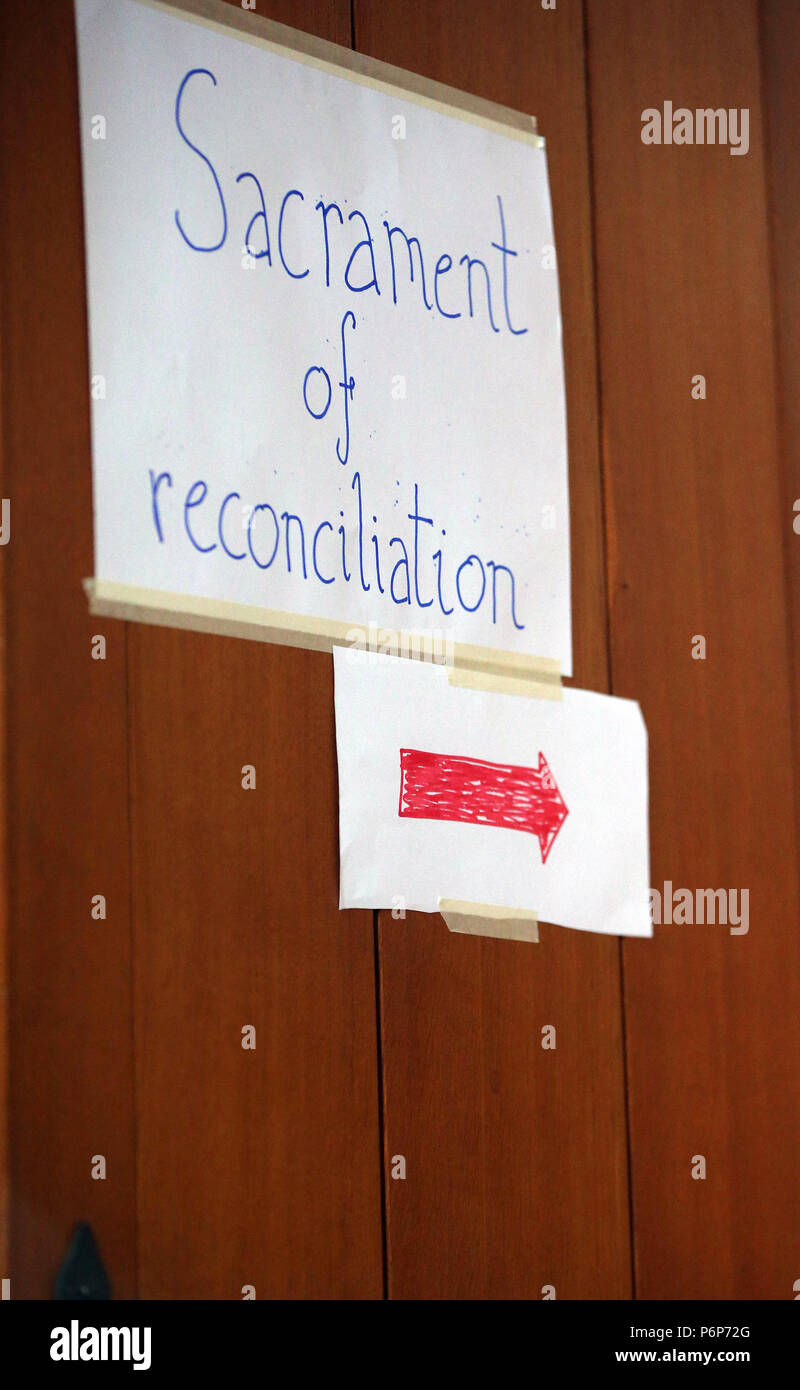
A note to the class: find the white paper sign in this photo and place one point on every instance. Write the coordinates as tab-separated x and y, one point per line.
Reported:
447	792
325	341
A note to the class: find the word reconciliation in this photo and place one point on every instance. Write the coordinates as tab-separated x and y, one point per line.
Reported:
336	552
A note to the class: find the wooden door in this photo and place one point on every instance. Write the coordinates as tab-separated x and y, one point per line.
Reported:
528	1170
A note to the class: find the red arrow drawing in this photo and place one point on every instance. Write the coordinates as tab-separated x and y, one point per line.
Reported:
438	786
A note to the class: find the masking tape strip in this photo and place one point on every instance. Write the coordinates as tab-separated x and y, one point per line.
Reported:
357	67
165	609
485	919
538	685
512	664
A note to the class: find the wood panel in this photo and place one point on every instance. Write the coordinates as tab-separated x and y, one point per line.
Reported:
264	1167
5	925
780	32
516	1160
71	1092
255	1167
697	531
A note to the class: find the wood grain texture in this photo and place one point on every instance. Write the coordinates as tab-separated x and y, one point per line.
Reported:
697	547
123	777
516	1155
780	34
5	919
71	1092
255	1167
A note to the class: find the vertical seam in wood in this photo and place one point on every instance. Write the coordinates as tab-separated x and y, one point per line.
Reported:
601	454
779	388
626	1093
598	373
484	1164
132	956
382	1135
5	861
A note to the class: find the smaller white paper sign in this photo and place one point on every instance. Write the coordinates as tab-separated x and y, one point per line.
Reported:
446	792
